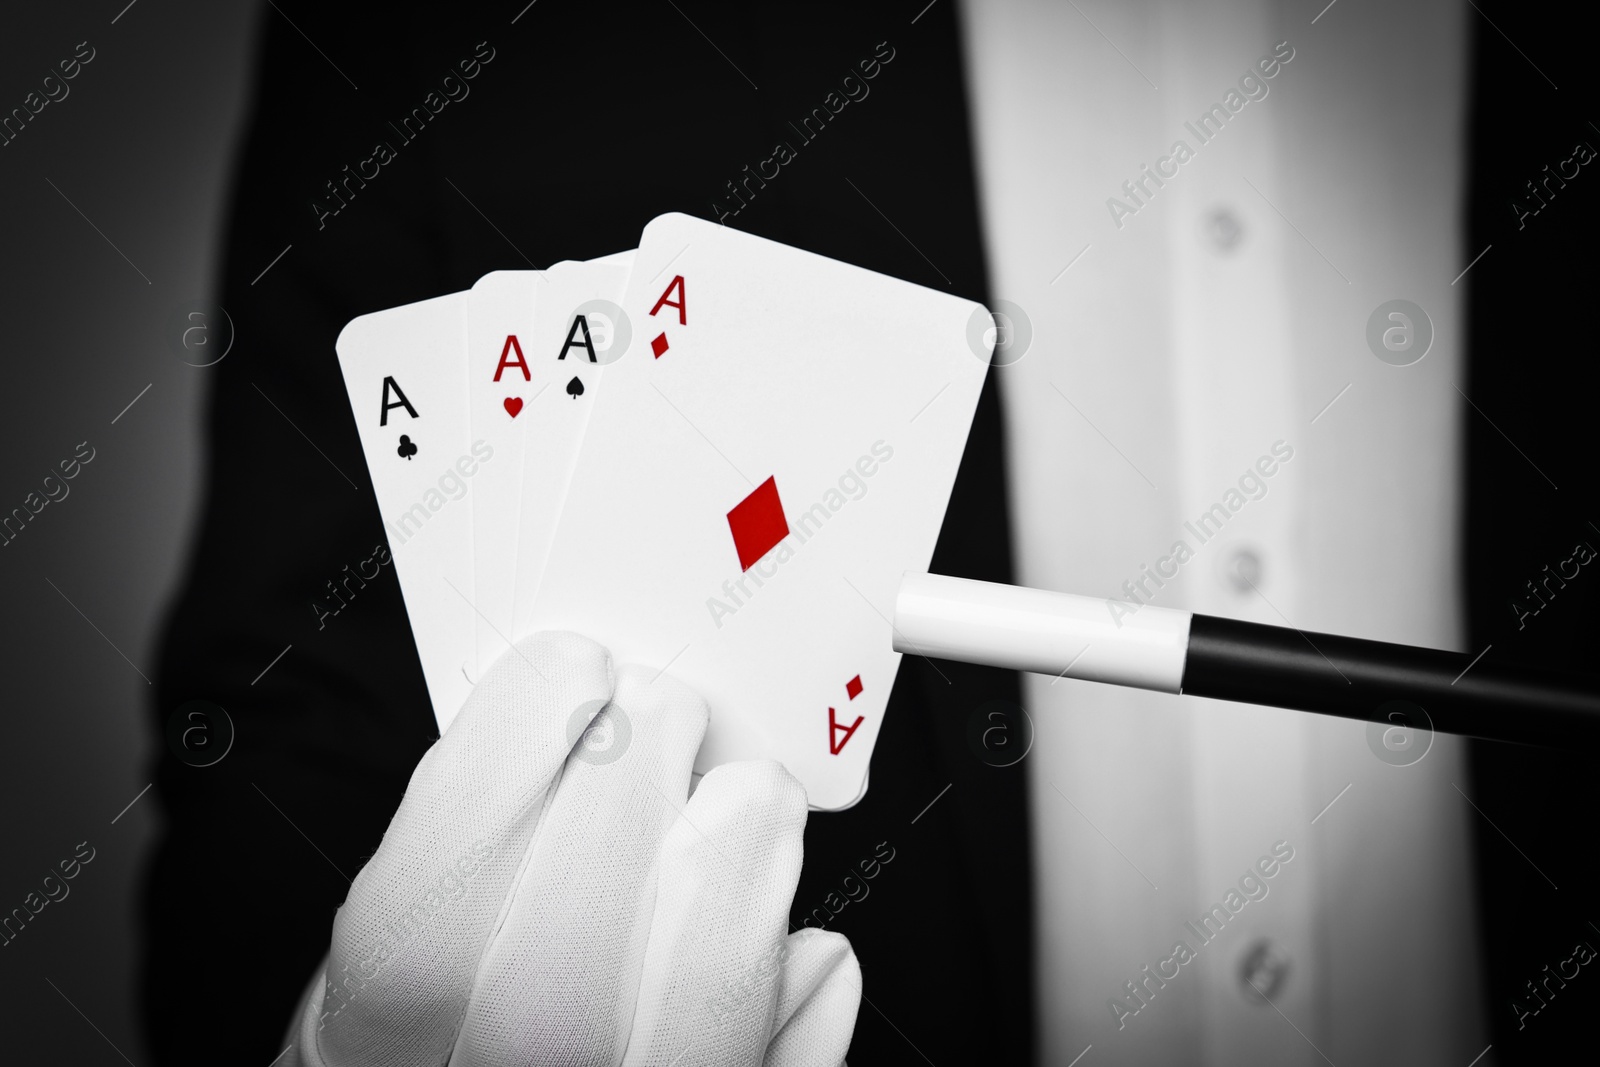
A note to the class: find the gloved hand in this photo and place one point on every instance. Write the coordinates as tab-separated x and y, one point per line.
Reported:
543	899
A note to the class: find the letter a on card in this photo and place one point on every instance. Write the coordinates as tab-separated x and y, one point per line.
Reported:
835	742
675	285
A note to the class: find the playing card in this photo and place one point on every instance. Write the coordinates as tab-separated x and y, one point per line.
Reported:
774	449
506	375
581	328
402	370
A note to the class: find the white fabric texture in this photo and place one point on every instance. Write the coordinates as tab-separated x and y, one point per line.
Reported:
550	893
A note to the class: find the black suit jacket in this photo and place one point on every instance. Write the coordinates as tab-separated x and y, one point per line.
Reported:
1530	430
574	129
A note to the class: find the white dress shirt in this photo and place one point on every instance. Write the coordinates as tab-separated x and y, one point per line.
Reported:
1217	315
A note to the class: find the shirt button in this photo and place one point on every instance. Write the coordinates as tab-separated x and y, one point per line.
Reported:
1223	229
1263	970
1242	565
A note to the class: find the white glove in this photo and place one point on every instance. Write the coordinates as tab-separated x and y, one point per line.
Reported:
541	898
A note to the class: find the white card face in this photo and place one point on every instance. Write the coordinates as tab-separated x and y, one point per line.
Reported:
506	377
581	327
402	369
776	447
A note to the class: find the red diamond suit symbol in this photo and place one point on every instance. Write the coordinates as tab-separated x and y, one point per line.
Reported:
758	523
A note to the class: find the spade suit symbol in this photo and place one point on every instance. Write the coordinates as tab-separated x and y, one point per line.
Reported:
406	449
575	388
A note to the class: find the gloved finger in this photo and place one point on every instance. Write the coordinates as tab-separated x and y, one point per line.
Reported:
557	984
408	939
819	993
729	867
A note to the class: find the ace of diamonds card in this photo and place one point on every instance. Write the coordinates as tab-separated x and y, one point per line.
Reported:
775	448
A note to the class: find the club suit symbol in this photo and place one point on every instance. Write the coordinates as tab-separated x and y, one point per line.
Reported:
407	449
575	388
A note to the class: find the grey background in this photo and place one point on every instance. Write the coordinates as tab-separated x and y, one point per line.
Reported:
142	146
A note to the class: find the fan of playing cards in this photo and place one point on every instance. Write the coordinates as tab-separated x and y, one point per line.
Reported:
715	455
